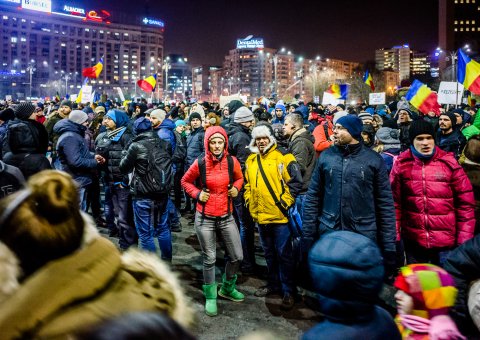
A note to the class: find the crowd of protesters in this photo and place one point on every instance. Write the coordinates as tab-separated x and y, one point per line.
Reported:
387	195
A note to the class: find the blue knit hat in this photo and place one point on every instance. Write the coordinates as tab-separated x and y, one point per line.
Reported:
281	107
142	124
180	122
111	114
353	124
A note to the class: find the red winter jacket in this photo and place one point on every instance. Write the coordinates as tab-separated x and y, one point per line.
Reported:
434	200
217	179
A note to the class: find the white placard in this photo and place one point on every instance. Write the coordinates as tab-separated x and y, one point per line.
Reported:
376	98
329	99
86	94
224	100
8	97
447	93
120	93
73	97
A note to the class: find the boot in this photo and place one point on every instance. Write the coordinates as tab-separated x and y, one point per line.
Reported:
210	292
228	290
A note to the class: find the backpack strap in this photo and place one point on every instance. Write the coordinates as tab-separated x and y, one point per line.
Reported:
325	128
230	179
202	168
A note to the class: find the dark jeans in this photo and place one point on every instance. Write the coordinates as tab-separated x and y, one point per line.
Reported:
247	231
147	215
417	254
121	202
93	197
275	239
177	187
82	194
169	216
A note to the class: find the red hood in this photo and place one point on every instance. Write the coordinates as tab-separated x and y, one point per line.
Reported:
211	131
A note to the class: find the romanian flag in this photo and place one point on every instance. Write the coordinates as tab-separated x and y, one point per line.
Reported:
471	102
79	96
57	97
421	97
367	79
94	71
148	84
338	91
468	72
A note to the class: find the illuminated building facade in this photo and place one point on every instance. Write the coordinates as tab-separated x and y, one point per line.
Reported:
46	45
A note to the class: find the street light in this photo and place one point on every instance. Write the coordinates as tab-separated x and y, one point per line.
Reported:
30	68
166	66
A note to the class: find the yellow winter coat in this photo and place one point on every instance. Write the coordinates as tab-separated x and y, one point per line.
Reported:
283	174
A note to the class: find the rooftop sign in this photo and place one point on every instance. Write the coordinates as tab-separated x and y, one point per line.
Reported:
250	42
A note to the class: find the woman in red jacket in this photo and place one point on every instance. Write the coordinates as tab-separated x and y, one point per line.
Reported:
219	186
433	198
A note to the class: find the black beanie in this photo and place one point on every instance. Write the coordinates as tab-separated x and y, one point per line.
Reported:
420	127
194	115
452	117
7	114
24	110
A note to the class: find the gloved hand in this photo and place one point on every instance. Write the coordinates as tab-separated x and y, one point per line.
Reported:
389	262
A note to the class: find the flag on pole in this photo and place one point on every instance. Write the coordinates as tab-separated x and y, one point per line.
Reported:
94	71
57	97
338	91
468	72
148	84
367	79
421	97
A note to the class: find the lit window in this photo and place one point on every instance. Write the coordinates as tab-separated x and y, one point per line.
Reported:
467	29
23	20
14	40
467	22
5	17
473	22
23	39
86	47
101	32
461	29
456	22
473	29
87	30
461	22
62	44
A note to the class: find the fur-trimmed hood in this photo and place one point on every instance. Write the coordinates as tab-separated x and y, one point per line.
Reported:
262	131
98	288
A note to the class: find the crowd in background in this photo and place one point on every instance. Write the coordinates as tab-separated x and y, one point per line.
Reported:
386	195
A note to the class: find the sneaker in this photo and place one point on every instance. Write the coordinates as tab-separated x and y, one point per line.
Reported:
176	228
265	291
287	302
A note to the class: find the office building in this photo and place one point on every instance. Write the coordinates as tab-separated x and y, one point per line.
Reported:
46	45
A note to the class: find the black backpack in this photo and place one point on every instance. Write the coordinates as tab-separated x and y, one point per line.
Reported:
159	176
202	167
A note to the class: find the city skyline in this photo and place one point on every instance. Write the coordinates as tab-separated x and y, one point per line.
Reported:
205	31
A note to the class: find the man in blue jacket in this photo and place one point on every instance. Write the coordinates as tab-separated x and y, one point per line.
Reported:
350	190
73	154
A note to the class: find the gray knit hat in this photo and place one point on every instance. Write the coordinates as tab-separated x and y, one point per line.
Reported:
66	102
243	114
365	117
78	116
24	110
388	135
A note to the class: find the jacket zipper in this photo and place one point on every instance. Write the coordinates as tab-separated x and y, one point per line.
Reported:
425	205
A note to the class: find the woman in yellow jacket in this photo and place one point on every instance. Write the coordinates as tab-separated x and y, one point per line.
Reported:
283	175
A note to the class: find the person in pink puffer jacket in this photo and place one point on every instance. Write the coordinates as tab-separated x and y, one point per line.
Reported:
433	198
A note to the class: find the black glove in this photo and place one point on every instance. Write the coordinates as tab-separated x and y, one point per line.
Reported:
389	262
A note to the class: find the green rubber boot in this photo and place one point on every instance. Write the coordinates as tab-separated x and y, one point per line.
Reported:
228	290
210	292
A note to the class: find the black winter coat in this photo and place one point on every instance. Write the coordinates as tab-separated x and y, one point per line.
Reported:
350	190
111	149
73	154
238	139
25	146
301	146
135	159
194	146
454	142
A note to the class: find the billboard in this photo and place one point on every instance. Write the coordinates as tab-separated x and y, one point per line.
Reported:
250	42
38	5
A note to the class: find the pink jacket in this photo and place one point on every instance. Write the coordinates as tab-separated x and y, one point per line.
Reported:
434	200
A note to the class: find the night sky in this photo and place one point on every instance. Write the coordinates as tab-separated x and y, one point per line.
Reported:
205	31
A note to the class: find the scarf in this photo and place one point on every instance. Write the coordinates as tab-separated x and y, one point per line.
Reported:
420	156
440	327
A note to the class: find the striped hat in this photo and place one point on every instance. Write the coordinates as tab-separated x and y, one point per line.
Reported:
431	287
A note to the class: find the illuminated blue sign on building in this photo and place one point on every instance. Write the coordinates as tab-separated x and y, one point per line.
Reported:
153	22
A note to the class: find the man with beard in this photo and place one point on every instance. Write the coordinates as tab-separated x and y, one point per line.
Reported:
350	190
448	137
